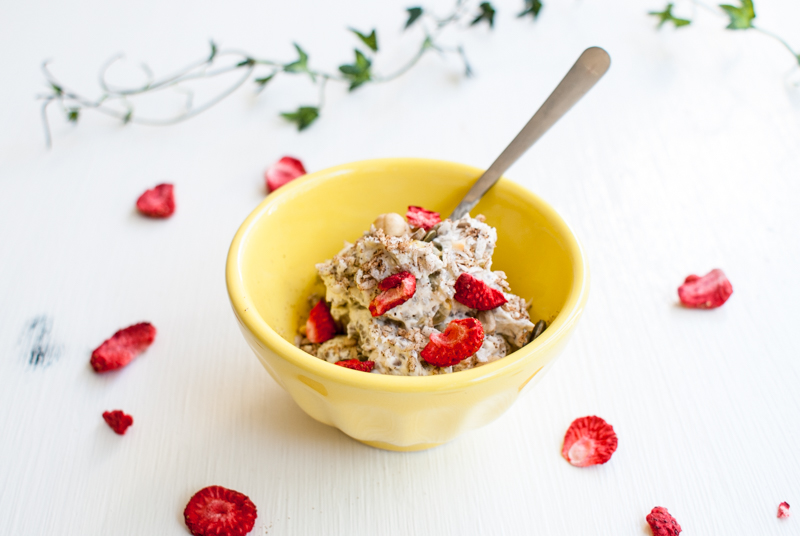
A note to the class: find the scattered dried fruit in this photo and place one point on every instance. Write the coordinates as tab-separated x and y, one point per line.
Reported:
418	217
355	364
396	289
589	441
284	170
122	347
476	294
320	325
662	523
158	202
218	511
707	292
118	421
783	510
461	339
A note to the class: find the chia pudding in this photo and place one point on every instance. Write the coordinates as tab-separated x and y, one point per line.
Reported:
416	297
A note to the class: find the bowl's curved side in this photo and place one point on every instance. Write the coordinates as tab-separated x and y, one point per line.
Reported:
401	420
403	412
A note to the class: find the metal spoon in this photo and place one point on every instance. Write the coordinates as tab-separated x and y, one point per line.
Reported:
589	68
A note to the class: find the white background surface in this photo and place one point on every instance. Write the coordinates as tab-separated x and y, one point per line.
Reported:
684	158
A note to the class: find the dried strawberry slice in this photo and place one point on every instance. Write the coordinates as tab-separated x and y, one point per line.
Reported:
355	364
397	289
461	339
707	292
122	347
661	523
284	170
320	325
783	510
420	218
158	202
218	511
589	441
476	294
118	421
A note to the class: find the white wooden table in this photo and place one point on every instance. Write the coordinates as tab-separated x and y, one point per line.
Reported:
684	158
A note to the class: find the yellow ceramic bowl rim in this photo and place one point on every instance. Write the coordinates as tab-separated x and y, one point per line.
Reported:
241	301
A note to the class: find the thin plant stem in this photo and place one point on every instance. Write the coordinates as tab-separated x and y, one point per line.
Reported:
717	11
117	101
710	9
48	139
779	40
323	81
408	66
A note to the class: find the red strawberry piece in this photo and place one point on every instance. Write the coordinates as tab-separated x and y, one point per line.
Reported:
118	421
397	289
158	202
461	339
783	510
122	347
355	364
421	218
662	523
707	292
476	294
589	441
218	511
320	325
284	170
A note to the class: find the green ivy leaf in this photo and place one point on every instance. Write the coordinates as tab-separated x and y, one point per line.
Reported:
487	14
58	90
303	117
370	40
742	16
213	52
127	118
413	14
532	8
359	72
248	62
264	81
667	16
72	115
301	65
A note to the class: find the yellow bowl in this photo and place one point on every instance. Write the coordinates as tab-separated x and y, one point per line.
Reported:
270	273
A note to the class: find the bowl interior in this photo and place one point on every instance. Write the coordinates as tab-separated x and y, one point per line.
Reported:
307	222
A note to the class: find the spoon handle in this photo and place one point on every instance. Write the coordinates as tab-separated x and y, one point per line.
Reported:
589	68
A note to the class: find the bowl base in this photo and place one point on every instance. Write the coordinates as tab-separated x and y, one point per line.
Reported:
409	448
